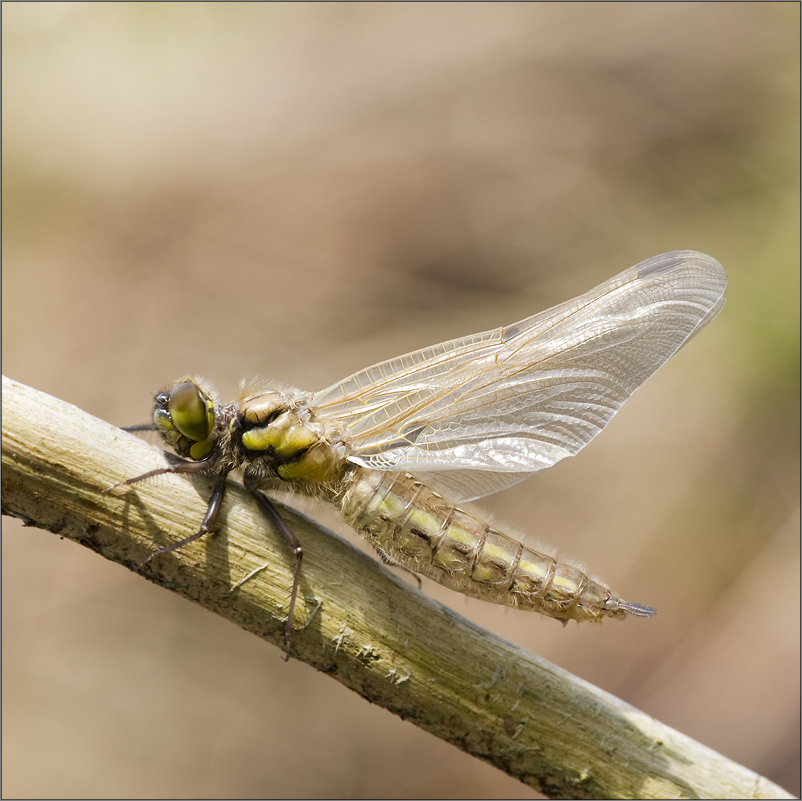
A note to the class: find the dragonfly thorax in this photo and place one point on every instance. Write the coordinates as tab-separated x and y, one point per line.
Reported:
274	434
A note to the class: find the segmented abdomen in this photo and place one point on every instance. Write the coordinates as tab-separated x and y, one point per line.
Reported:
421	530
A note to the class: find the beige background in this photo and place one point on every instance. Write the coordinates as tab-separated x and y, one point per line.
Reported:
297	191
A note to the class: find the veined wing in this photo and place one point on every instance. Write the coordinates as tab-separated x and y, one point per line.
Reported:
480	413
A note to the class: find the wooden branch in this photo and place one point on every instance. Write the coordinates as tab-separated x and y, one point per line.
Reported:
354	620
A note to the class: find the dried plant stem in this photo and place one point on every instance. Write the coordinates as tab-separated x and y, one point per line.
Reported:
354	620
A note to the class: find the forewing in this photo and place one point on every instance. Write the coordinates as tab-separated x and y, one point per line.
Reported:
480	413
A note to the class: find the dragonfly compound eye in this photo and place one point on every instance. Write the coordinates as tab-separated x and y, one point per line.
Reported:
192	414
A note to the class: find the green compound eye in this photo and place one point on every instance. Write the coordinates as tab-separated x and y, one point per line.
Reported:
190	412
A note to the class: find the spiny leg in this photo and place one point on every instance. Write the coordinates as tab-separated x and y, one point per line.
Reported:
390	562
209	519
182	466
212	510
295	546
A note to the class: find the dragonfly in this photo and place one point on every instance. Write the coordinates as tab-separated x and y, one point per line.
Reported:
397	446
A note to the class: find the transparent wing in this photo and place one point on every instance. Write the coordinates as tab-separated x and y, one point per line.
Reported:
481	413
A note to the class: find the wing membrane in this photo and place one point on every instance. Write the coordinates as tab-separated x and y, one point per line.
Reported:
480	413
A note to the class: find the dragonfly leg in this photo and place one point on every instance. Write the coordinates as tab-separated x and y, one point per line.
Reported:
390	562
209	519
182	466
295	546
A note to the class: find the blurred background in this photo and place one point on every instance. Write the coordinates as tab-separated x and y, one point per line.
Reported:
298	191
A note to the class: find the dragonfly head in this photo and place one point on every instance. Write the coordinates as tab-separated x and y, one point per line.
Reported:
185	417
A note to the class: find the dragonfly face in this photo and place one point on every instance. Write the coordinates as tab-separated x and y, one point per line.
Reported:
185	417
393	446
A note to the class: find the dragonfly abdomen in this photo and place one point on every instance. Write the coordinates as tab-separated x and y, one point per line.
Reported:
423	531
